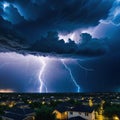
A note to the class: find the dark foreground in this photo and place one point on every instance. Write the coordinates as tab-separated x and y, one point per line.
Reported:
53	106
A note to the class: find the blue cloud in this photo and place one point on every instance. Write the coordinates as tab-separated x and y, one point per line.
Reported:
114	14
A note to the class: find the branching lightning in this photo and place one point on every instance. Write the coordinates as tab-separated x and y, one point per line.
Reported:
71	75
43	68
42	84
85	69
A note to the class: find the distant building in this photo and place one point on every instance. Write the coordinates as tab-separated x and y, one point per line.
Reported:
74	113
19	114
21	105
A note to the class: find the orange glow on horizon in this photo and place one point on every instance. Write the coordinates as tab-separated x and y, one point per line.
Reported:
6	91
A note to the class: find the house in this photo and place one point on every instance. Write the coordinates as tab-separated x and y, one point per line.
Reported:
21	105
61	111
19	114
81	112
61	115
12	116
77	118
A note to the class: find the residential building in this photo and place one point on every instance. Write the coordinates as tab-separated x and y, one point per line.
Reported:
78	112
19	114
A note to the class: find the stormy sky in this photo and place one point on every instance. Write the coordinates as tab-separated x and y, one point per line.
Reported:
59	46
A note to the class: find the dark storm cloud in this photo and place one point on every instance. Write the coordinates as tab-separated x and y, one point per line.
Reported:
63	16
33	20
89	46
51	45
13	17
9	41
92	46
4	25
59	15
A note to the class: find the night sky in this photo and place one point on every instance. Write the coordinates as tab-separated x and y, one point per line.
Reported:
59	46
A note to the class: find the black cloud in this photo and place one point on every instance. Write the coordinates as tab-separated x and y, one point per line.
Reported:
52	46
13	17
33	20
58	15
89	46
63	16
10	41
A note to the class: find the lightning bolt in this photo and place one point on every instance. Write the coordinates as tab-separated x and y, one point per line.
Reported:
85	69
42	84
71	75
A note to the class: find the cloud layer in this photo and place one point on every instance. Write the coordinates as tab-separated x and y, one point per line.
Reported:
50	45
54	15
114	14
32	27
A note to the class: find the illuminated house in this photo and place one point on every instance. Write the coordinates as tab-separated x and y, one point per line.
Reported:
61	113
75	113
84	112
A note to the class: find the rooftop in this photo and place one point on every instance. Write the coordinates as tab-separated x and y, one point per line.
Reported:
77	118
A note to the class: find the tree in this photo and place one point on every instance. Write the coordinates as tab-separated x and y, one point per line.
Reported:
111	110
45	113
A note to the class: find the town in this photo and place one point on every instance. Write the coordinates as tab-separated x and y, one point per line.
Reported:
60	106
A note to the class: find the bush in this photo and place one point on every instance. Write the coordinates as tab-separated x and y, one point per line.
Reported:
45	113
